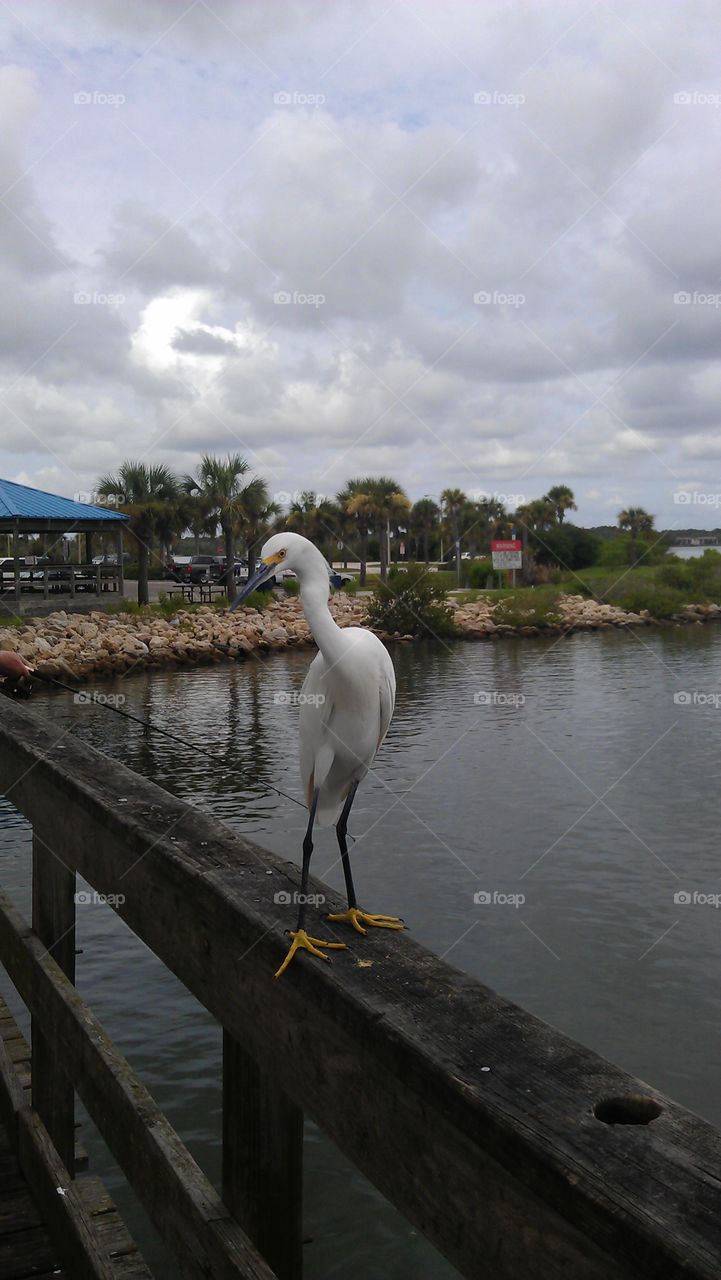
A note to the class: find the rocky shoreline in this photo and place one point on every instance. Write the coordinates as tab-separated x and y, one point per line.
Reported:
76	646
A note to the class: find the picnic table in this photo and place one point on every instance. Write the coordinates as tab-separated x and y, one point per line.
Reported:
205	591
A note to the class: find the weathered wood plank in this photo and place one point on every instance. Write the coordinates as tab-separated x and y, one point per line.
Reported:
17	1211
189	1214
125	1258
26	1253
507	1171
263	1160
53	1190
59	1201
18	1051
92	1240
53	920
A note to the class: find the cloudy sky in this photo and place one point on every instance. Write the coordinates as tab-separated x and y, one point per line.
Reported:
467	244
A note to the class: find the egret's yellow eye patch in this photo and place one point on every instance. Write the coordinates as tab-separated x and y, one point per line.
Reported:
279	555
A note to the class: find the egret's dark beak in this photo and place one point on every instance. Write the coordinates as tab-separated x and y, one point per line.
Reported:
259	577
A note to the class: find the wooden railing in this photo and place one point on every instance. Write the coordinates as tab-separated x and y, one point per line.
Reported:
65	578
476	1119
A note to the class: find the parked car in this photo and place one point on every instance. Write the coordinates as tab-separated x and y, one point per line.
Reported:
200	569
173	568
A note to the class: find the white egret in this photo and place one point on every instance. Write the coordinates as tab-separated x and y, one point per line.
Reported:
346	708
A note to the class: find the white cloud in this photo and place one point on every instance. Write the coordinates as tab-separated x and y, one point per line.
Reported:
387	197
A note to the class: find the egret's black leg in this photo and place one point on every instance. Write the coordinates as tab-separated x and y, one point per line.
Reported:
300	939
354	915
340	830
307	851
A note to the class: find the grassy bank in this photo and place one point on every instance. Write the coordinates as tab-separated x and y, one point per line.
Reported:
662	589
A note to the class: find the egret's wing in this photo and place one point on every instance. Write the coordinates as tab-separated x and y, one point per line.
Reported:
387	701
316	713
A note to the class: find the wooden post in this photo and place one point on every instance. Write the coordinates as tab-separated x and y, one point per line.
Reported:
16	560
263	1160
120	579
54	922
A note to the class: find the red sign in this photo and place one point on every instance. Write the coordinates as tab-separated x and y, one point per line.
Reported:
506	544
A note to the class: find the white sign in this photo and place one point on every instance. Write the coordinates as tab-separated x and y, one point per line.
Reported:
507	559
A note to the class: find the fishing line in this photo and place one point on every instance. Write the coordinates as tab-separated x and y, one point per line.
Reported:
148	724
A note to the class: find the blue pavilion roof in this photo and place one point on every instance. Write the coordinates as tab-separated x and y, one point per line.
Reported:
20	502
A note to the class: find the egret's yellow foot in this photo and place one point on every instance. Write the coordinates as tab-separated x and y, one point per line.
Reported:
302	942
358	918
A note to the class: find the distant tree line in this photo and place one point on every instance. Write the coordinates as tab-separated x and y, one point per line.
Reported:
371	518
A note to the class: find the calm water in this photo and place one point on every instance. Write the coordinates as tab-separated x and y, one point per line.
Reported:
577	782
688	553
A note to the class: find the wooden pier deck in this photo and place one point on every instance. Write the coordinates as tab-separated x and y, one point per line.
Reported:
27	1246
520	1154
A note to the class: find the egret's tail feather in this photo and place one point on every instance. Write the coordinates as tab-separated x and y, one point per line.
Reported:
328	812
330	804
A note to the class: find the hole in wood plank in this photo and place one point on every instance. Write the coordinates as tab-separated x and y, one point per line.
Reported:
632	1108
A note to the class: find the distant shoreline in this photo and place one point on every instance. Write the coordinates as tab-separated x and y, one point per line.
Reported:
80	647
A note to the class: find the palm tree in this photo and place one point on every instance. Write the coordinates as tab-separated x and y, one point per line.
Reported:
220	489
149	495
492	519
538	515
562	499
380	501
535	518
425	517
200	511
638	522
316	518
256	513
454	504
354	502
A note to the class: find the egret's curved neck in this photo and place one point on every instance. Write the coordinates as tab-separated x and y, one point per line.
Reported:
314	591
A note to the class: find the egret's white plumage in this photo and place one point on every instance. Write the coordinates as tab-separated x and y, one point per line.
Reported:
344	717
349	691
346	708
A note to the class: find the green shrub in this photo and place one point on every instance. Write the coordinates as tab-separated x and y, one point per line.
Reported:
411	602
568	546
257	600
675	574
478	573
291	586
660	602
444	578
530	609
617	551
351	586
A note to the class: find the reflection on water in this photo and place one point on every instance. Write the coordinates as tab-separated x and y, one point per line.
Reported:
593	795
